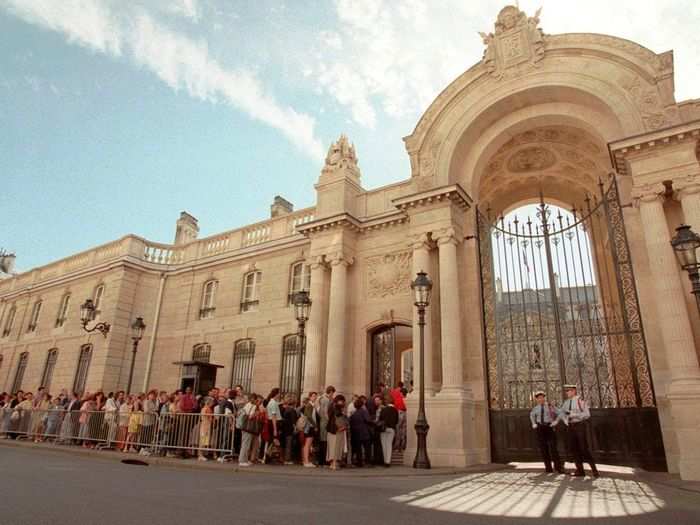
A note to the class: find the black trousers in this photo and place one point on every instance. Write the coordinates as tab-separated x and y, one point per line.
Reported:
578	446
322	448
358	447
547	441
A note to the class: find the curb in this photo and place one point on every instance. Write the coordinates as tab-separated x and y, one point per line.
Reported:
277	470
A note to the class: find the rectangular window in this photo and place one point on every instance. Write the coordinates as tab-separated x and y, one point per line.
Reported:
289	373
300	280
81	373
9	321
97	300
62	314
46	377
208	306
19	374
243	359
251	289
34	319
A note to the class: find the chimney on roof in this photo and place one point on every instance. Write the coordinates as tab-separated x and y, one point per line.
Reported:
186	229
280	206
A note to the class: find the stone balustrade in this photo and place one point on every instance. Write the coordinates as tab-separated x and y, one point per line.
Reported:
162	254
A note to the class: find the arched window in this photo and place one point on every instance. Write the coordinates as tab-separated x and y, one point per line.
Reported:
299	279
62	314
51	359
9	321
19	374
201	352
81	373
251	291
208	306
34	319
97	297
290	365
243	359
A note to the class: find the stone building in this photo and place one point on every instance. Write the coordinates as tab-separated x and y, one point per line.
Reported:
540	117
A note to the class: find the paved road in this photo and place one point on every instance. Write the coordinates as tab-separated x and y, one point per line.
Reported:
42	487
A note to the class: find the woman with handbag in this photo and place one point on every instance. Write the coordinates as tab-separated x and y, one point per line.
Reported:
250	421
337	431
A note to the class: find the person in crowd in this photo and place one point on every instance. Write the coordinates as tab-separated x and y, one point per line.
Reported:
148	425
111	409
574	412
359	434
309	428
69	426
542	415
205	427
125	409
324	403
239	401
39	413
135	419
388	419
86	409
376	430
337	427
5	414
24	409
54	414
288	425
274	416
98	429
224	423
397	396
249	421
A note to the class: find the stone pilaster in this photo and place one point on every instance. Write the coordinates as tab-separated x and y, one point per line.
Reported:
684	387
421	262
315	357
688	193
337	355
450	318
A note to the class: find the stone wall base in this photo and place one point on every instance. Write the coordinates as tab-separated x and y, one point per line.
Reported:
685	410
458	435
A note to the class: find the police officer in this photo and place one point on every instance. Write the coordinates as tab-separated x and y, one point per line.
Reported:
574	413
542	416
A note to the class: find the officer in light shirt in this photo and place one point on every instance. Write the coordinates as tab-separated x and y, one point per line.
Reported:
542	416
574	413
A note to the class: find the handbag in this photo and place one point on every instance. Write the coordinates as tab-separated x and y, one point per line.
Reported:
252	425
301	424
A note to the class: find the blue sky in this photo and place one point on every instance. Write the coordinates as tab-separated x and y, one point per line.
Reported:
115	116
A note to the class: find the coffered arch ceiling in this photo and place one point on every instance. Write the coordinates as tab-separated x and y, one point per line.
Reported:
562	162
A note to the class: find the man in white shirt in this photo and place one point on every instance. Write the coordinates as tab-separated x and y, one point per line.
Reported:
574	412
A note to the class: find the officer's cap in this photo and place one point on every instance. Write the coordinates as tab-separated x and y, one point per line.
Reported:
570	387
539	393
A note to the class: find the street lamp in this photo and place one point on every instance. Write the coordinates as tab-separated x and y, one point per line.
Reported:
87	314
137	329
422	287
685	244
302	305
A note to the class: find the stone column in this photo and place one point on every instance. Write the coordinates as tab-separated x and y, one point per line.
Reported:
337	362
421	262
314	359
450	318
669	297
688	192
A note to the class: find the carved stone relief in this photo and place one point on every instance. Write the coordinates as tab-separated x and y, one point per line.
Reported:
647	101
388	274
531	159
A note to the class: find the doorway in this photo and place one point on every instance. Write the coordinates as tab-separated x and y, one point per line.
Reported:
392	356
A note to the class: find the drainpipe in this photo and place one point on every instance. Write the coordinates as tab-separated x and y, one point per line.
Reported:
152	342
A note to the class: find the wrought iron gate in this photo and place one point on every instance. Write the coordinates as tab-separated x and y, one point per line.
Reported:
560	305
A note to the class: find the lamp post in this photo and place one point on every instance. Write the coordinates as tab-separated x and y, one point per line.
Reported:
422	287
137	329
87	314
302	305
685	244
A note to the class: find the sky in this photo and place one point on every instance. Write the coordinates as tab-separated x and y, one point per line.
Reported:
116	115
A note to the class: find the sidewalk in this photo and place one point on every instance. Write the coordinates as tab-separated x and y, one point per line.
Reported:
278	470
658	478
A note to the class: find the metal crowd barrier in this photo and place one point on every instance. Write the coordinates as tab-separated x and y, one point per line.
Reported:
128	432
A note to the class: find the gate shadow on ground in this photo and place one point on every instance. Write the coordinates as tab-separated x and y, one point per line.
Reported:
534	494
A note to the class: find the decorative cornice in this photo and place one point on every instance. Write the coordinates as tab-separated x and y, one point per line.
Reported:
453	192
622	149
341	220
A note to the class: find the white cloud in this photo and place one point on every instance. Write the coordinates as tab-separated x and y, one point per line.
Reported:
179	61
186	8
396	57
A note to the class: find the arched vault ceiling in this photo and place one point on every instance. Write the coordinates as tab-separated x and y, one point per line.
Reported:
562	162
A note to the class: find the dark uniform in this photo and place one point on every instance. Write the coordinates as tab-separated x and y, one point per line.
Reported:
542	416
575	414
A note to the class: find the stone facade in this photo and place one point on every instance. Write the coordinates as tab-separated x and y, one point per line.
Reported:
549	113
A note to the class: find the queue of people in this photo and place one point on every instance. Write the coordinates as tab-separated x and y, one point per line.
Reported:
224	425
